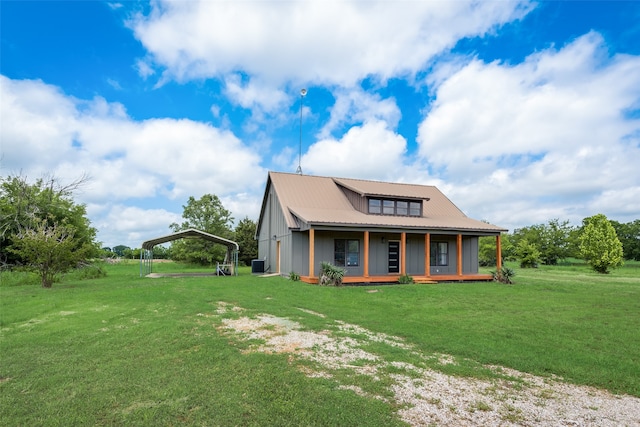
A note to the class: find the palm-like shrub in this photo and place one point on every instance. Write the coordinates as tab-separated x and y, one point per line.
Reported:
330	275
405	279
504	275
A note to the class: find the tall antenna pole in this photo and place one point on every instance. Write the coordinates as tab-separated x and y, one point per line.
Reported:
303	92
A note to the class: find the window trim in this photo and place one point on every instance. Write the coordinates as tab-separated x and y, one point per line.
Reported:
441	257
373	209
386	206
346	253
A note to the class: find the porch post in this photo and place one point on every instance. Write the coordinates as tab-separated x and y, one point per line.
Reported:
498	252
427	254
403	253
311	252
366	253
459	251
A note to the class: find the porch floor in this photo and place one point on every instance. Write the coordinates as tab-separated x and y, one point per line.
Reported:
417	279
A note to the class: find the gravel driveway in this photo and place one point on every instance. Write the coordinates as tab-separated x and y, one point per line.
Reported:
429	397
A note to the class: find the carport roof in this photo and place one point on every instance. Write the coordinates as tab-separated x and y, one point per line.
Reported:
191	232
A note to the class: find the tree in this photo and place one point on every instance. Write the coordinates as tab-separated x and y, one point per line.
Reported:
45	203
528	253
120	250
205	214
129	253
245	236
629	235
555	243
599	244
487	249
552	240
161	252
50	250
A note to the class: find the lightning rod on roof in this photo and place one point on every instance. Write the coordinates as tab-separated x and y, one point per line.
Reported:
303	93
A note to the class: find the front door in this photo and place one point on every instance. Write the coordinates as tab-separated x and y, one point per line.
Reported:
394	257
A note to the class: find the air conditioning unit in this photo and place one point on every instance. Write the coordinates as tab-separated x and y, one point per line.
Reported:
257	266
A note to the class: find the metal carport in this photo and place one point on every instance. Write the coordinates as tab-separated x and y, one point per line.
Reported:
146	253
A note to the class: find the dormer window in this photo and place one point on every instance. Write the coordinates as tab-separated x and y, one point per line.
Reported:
375	206
395	207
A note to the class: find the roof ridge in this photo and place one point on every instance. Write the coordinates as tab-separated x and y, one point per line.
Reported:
336	178
387	182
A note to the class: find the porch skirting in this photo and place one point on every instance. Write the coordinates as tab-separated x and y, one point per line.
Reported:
417	279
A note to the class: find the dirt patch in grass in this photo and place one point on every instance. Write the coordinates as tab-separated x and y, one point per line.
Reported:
426	396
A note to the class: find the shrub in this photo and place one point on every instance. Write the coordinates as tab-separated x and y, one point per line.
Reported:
90	271
504	275
599	244
528	254
330	275
17	277
294	276
405	279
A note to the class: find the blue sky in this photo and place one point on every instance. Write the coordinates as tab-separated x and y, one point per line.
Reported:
521	112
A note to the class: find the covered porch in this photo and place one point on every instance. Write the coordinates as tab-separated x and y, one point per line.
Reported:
429	274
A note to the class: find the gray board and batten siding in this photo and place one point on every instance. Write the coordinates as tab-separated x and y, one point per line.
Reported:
337	208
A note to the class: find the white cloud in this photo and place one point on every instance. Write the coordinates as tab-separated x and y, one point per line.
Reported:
368	151
36	118
249	94
283	159
114	84
550	132
45	131
338	42
620	203
130	226
244	204
358	106
144	68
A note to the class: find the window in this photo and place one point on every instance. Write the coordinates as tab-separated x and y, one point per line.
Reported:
395	207
388	207
402	208
415	209
346	253
375	206
439	253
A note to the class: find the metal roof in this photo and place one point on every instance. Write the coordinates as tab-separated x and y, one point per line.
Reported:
190	233
317	200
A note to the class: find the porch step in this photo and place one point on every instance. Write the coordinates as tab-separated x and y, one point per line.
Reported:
424	281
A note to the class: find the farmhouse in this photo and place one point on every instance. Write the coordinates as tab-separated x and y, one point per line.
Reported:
376	231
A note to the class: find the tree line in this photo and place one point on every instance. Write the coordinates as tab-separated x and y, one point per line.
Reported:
43	229
603	243
206	214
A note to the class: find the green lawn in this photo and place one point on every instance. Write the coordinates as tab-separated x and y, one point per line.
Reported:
129	350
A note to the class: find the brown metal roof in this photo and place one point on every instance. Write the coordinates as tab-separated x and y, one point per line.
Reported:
189	233
318	200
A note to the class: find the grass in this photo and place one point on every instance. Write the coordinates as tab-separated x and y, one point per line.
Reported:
128	350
